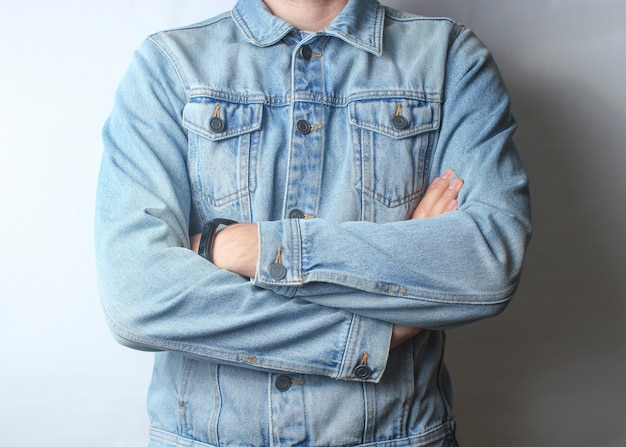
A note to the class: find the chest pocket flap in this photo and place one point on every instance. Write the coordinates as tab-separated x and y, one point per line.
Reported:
218	120
396	117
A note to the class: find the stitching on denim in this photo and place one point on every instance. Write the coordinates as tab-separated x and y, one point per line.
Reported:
322	99
158	344
249	359
169	55
347	352
221	201
369	285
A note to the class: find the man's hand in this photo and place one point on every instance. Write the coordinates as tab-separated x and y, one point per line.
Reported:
440	198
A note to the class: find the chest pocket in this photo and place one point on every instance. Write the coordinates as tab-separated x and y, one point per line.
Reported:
223	140
392	139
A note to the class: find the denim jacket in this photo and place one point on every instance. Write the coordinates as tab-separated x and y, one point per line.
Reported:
328	141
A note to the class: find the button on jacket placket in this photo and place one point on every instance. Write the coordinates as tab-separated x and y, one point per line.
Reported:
307	151
288	420
302	187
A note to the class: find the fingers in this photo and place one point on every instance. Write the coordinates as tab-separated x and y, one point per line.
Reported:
441	196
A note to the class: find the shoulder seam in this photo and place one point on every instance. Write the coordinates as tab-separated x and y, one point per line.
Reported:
179	73
202	24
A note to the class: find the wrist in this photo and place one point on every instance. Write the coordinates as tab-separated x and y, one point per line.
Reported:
235	249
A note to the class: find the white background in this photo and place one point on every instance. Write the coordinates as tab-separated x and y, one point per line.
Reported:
548	372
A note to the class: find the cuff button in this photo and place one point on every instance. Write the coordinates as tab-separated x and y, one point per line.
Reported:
278	271
362	372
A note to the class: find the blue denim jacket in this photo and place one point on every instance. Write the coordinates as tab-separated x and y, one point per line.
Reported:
328	140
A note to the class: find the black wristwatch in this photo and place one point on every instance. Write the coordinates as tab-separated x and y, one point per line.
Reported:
208	234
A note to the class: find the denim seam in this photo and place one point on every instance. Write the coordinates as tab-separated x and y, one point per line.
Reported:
423	439
203	24
320	99
164	49
384	288
346	358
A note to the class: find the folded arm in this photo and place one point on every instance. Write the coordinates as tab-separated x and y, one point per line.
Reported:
236	247
159	295
435	273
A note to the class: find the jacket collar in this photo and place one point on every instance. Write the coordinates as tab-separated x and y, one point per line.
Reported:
360	24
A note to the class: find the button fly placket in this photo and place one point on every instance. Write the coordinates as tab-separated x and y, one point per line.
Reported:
288	426
306	155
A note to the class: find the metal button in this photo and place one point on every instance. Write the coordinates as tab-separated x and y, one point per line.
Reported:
362	372
278	271
216	124
400	122
303	127
282	383
306	52
296	214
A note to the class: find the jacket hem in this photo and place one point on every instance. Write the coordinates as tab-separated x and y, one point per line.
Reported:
440	436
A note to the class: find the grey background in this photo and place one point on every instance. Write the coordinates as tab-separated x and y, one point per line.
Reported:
548	372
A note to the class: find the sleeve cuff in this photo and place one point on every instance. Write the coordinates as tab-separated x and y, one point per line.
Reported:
279	267
367	350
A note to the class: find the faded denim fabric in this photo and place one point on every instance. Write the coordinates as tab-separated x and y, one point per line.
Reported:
328	140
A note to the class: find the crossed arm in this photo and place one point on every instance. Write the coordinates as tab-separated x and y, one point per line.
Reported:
236	247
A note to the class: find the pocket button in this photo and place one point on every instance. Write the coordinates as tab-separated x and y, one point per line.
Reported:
216	125
400	122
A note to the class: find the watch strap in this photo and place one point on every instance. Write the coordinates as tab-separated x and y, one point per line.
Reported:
208	235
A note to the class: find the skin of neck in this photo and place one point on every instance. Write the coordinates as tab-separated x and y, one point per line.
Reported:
308	15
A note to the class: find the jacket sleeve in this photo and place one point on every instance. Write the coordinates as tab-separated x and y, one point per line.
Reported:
159	295
432	273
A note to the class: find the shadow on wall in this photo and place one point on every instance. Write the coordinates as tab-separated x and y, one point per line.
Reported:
549	371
